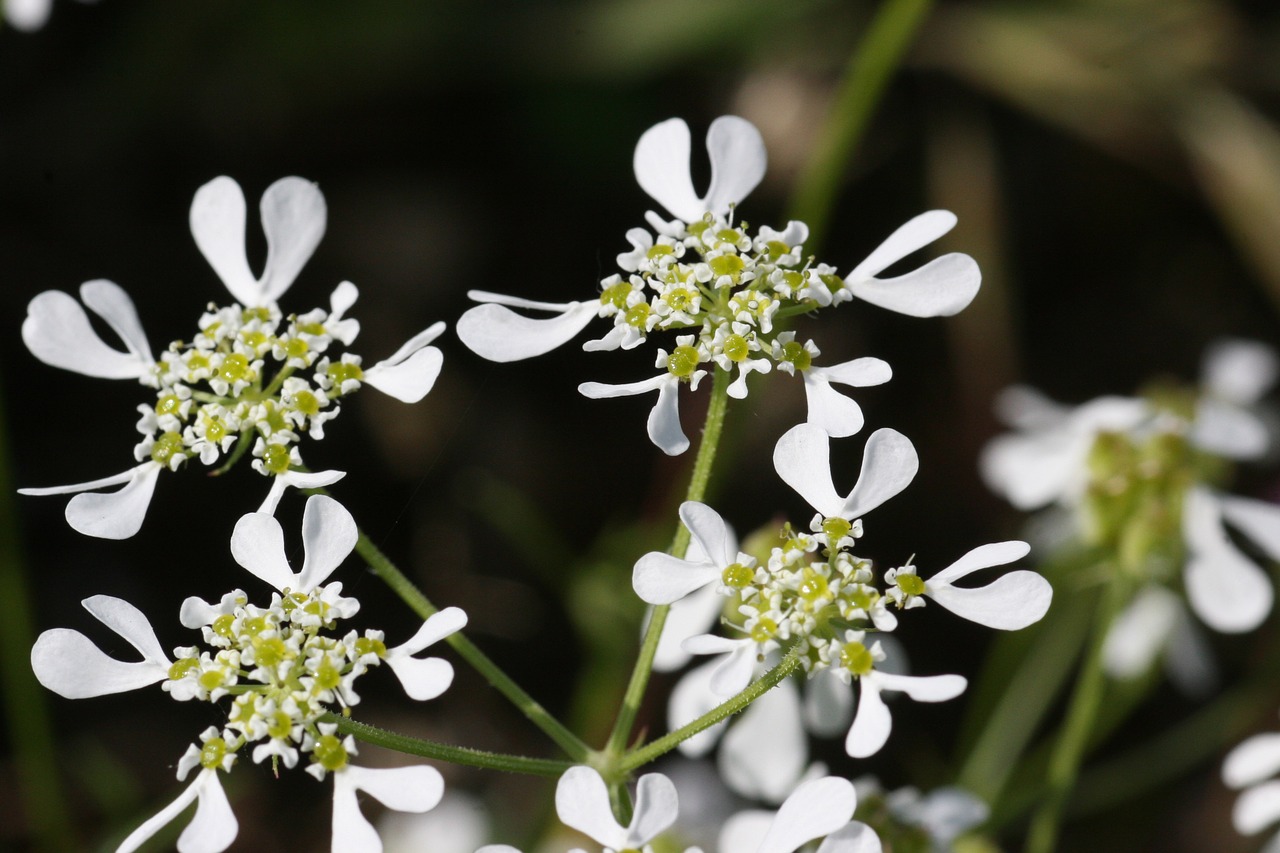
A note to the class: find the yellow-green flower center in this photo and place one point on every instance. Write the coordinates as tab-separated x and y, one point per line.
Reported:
683	361
856	658
737	576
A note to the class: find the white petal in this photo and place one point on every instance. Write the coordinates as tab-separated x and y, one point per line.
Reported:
735	667
1026	408
293	217
438	626
922	688
298	480
1227	430
766	751
342	298
661	164
422	678
871	724
68	663
1252	761
1010	603
802	458
711	532
57	332
257	544
26	15
982	557
500	334
329	535
743	831
1189	660
519	302
816	808
213	827
415	343
854	838
217	223
129	622
1258	520
109	301
860	372
829	410
409	380
940	288
113	480
582	803
656	809
1140	632
738	162
690	615
413	789
659	578
1224	587
664	419
889	464
1033	471
1240	371
828	704
119	514
690	699
1257	808
915	234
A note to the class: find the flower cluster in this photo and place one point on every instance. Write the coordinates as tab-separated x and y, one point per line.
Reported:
812	596
1139	479
286	669
250	379
725	289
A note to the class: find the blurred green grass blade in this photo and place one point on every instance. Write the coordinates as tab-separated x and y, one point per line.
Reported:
30	734
876	58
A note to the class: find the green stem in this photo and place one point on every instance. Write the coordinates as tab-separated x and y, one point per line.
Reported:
642	756
445	752
698	481
1068	752
873	63
405	588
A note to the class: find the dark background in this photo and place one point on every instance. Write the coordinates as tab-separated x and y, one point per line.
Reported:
1115	168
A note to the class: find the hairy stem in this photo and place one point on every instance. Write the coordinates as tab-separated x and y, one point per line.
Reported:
642	756
445	752
405	588
698	481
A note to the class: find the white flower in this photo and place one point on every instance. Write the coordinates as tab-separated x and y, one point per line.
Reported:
664	418
582	803
411	371
1249	767
829	410
817	808
404	789
68	663
660	578
738	161
213	827
1010	603
426	678
1156	623
802	458
293	219
940	288
872	723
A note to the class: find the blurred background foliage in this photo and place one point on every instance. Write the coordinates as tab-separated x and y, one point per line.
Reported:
1115	165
